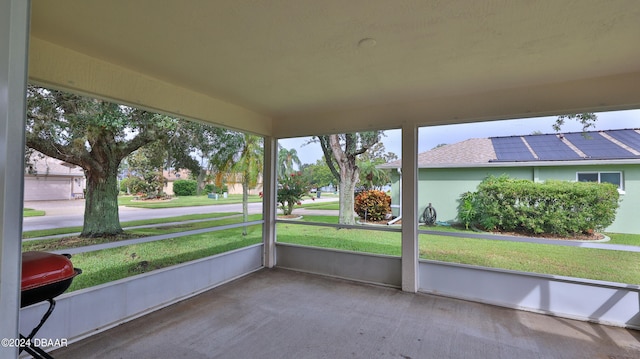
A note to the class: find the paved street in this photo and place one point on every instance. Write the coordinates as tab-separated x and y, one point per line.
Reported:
69	213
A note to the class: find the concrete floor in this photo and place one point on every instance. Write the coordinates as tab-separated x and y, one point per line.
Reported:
284	314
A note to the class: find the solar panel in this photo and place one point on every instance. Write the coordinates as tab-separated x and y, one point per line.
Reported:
511	149
629	137
551	148
596	146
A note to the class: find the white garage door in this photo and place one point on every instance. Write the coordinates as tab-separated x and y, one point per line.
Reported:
46	188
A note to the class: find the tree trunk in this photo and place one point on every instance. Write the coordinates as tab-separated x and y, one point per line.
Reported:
245	202
200	180
349	176
347	188
101	216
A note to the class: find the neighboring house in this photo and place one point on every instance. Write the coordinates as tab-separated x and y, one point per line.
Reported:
600	156
233	184
52	179
172	176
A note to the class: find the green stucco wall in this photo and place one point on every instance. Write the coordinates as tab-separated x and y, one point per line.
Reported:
443	186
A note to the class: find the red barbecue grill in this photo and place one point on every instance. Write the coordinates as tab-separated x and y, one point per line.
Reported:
44	277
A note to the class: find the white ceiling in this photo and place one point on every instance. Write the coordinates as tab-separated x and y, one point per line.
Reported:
296	67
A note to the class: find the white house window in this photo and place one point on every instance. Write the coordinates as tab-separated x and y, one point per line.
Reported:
602	177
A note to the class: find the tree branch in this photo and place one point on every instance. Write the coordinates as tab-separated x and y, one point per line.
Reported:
328	156
63	153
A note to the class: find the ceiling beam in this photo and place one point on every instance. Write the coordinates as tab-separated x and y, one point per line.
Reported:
57	67
618	92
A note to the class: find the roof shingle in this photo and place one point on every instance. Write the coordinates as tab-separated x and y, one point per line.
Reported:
604	145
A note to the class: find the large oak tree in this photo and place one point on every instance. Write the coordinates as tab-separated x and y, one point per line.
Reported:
95	135
342	151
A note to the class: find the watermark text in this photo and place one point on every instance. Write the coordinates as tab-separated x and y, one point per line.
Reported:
33	342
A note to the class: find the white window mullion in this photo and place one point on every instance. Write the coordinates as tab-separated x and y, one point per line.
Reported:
14	34
409	208
269	202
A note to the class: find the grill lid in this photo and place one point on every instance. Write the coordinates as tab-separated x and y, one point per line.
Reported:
42	268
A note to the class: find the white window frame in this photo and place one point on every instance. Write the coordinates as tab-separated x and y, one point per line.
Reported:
599	173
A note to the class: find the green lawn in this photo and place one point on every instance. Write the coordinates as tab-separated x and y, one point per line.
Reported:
357	240
624	238
318	219
74	242
66	230
184	201
30	212
112	264
322	205
599	264
615	238
108	265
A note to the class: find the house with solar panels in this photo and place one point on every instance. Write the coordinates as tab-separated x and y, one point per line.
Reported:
611	156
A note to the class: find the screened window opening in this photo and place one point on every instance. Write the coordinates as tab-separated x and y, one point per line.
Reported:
602	177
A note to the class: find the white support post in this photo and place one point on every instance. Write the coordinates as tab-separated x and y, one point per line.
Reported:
409	203
269	202
14	35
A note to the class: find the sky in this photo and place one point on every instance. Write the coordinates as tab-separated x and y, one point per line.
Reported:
430	137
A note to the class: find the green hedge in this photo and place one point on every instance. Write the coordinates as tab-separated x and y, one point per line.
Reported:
185	187
553	207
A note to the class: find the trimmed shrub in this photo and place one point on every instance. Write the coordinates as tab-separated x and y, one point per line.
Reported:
553	207
133	185
212	188
185	187
373	205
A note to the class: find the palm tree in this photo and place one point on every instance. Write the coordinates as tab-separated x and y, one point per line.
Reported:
286	159
245	164
372	177
249	166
